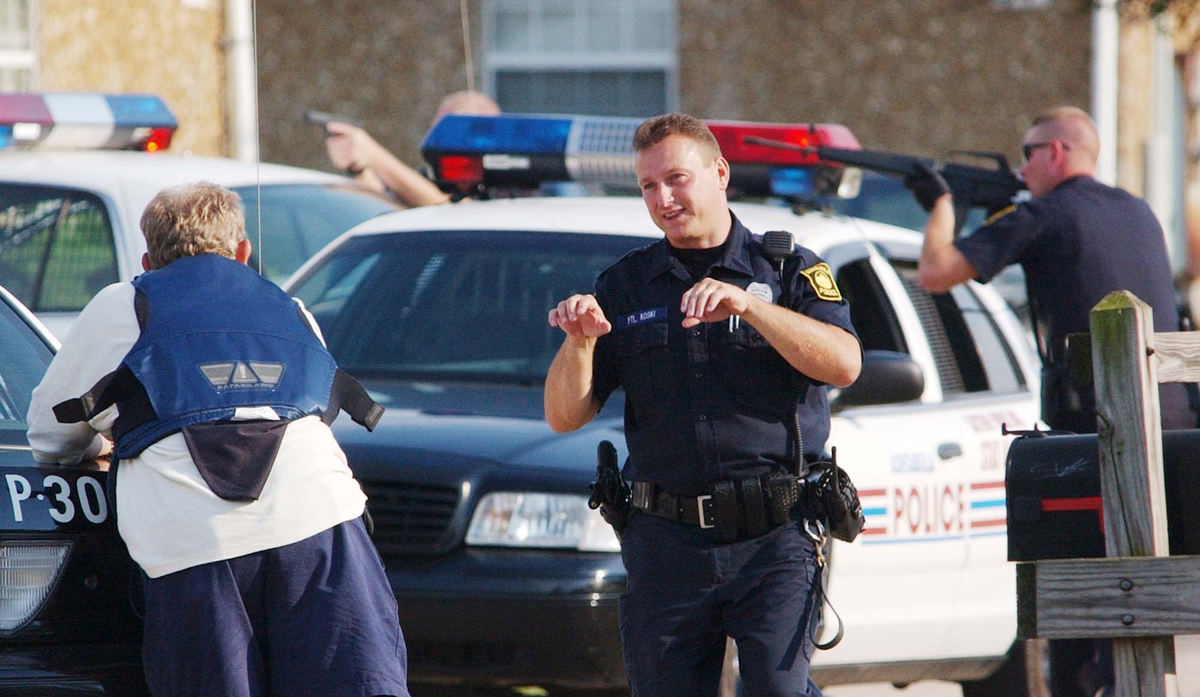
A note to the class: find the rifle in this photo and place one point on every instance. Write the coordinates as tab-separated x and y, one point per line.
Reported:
989	189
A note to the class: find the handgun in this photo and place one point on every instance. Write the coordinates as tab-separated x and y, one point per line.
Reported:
321	119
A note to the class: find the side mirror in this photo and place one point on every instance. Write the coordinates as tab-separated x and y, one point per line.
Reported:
887	377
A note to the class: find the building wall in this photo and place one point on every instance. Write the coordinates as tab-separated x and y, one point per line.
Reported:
166	47
388	64
920	76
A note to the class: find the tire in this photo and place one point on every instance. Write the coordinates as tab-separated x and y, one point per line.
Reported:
1024	673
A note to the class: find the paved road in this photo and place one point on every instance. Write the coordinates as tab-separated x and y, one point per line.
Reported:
1187	665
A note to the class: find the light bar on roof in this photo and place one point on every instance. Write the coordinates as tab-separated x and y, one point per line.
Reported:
78	120
467	152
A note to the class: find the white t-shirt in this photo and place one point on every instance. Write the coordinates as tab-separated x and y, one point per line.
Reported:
166	514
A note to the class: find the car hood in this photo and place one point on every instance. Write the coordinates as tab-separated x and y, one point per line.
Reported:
449	425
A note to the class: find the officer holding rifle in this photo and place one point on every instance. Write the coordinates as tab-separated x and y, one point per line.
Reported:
1077	240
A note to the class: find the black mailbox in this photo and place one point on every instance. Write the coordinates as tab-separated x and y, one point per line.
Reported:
1052	485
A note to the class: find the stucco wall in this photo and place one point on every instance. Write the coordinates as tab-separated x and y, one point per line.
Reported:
921	76
388	64
166	47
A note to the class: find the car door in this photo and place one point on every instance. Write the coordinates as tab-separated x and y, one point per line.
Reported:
925	568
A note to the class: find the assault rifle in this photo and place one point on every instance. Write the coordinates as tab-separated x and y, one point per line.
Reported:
986	188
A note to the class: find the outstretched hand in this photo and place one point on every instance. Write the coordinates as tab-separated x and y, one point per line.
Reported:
349	147
580	316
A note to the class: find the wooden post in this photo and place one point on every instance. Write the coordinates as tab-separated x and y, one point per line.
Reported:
1137	596
1131	478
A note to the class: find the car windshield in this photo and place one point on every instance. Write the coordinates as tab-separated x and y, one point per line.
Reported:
300	219
23	360
456	305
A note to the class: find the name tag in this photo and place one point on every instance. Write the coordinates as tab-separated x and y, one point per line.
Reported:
633	319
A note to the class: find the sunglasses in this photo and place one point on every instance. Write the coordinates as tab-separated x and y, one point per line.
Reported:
1028	148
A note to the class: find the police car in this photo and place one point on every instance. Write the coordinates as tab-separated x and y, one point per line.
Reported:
504	576
77	170
66	623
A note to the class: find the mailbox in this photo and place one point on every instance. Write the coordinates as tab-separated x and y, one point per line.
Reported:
1052	485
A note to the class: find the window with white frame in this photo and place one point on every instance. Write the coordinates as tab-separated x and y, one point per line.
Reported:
17	57
602	57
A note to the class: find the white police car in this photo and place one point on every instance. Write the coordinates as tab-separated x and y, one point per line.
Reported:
77	170
503	575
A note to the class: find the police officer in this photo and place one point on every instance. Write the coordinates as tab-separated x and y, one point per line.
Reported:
232	495
1077	240
721	356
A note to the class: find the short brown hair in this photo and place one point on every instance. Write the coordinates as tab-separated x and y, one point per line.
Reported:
192	219
656	129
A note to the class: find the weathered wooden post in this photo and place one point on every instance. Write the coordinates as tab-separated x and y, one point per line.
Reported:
1137	596
1131	473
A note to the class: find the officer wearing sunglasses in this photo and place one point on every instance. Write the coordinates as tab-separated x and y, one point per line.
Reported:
1077	240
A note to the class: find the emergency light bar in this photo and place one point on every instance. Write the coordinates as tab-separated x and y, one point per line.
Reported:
468	152
76	120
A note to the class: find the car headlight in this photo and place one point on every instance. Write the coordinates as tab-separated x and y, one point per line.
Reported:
28	572
530	519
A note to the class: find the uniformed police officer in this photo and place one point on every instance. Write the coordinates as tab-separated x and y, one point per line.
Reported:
1077	240
723	359
232	495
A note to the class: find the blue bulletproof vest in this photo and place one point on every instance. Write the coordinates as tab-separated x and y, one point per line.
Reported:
216	336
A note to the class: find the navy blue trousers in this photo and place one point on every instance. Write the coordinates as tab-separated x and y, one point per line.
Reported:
316	618
687	591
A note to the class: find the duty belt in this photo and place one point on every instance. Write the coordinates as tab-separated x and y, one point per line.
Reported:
739	509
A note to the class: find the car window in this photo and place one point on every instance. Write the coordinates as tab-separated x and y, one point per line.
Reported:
23	360
300	219
453	305
56	246
970	353
871	312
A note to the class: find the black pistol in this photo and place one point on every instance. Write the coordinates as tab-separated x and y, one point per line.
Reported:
610	492
321	119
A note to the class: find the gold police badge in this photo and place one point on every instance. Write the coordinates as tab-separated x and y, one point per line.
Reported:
820	277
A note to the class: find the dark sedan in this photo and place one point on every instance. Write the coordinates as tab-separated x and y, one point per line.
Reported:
66	623
503	573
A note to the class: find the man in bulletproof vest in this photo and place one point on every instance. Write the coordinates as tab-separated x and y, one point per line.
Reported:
231	494
724	358
1077	240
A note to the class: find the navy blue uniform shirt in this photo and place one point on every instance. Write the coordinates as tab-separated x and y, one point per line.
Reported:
1077	244
715	401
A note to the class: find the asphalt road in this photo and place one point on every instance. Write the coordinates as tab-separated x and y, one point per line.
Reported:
1187	667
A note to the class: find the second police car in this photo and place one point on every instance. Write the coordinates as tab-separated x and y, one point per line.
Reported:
77	170
503	575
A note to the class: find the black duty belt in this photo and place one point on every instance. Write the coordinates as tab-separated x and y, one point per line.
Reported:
739	509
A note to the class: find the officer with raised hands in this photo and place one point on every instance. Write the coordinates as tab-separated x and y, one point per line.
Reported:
724	360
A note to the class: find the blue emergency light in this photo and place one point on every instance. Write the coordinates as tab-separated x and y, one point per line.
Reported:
469	152
76	120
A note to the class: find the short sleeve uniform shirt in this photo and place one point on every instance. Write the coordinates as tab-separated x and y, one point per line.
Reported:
1077	244
715	401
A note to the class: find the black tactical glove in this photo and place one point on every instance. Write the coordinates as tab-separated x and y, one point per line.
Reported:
927	186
